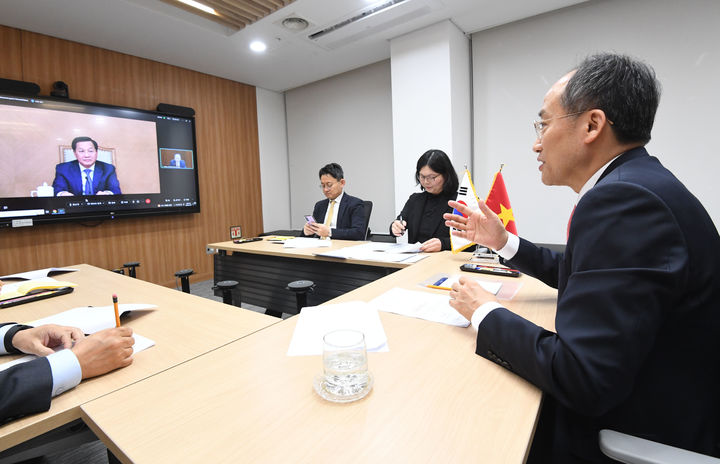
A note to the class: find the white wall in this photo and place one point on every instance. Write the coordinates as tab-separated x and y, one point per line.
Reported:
345	119
431	101
515	64
272	139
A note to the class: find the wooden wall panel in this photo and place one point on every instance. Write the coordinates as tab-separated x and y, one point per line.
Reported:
227	152
10	53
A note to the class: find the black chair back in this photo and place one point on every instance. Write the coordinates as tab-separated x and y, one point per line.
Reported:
367	205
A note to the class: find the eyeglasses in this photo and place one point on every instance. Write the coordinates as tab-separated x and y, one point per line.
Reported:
428	178
327	186
541	125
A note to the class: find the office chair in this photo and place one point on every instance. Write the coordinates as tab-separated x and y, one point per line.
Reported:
131	268
184	275
633	450
226	286
367	208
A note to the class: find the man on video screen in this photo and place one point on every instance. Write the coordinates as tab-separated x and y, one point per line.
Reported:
86	175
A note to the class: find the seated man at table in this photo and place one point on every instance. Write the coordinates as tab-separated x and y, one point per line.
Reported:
27	388
635	347
340	216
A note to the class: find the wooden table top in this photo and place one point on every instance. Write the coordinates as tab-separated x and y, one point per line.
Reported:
433	399
183	327
265	247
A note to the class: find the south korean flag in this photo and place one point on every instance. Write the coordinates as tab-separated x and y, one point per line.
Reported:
467	196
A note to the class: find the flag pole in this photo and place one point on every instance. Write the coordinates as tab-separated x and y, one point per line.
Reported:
502	165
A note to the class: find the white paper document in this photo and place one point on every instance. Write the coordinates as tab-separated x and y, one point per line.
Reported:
422	305
306	242
492	287
91	319
377	251
315	321
37	274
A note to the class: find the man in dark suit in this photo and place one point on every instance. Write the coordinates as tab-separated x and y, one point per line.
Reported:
85	175
342	215
636	346
27	388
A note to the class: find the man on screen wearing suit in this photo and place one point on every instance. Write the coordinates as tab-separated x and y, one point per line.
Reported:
85	175
341	216
177	161
636	346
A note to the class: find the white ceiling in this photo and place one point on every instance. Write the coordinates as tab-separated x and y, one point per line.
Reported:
158	31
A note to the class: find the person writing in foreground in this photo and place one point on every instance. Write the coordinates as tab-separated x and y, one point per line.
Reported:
86	175
342	215
636	347
27	388
422	216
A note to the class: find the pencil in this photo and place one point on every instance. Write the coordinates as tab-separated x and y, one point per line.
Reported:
117	314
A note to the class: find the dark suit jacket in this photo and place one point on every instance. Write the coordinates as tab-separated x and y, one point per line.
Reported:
636	347
423	213
350	219
68	178
24	388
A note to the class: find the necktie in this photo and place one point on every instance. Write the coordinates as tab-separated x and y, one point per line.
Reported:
570	222
330	213
88	183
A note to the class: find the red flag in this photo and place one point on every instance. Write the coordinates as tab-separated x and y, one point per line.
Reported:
498	201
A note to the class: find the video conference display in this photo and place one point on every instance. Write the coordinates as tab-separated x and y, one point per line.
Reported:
68	160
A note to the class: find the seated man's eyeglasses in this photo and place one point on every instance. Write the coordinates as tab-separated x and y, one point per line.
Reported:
327	186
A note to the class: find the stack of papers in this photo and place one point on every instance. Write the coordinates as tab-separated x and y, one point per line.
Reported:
378	251
422	305
315	321
37	274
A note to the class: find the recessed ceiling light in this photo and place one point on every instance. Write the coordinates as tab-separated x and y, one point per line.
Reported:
199	6
295	24
258	46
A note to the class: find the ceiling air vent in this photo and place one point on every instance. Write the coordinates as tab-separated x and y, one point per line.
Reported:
369	22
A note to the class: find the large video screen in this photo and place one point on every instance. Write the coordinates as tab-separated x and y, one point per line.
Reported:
69	160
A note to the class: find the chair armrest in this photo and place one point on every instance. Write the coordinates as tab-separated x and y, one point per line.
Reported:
633	450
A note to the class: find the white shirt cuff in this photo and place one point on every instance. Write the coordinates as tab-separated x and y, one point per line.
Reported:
482	311
511	247
3	330
66	371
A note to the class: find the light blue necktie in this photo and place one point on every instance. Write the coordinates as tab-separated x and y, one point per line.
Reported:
88	183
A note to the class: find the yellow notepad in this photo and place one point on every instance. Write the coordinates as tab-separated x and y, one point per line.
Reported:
15	290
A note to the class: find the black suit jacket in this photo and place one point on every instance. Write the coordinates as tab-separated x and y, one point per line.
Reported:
636	347
350	219
423	213
25	388
68	178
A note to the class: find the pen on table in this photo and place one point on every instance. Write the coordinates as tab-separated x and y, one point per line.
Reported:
117	314
437	284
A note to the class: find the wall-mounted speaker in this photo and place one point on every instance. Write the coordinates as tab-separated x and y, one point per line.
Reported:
30	89
174	110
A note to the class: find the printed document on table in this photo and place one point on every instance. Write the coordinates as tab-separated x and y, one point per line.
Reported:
422	305
38	273
315	321
306	242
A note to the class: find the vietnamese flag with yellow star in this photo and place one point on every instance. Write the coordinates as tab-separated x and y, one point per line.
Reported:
498	201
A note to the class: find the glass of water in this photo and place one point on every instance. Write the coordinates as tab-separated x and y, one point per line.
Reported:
345	368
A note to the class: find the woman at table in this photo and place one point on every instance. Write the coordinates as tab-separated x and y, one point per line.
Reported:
422	216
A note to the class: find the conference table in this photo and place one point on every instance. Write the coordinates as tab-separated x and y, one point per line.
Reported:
182	326
433	399
264	268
